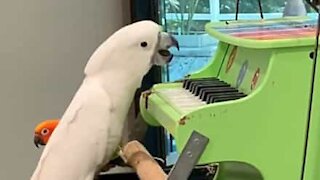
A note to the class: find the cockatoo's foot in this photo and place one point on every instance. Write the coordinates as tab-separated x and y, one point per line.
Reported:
118	161
107	167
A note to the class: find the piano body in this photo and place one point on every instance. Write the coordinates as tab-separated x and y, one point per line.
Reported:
252	101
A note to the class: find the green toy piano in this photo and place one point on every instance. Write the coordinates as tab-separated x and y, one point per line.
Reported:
253	101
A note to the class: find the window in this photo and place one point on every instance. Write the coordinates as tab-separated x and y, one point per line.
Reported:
186	19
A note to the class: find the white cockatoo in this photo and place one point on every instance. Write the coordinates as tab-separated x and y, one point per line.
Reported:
90	130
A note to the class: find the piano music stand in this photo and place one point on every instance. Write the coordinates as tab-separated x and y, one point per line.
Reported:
238	4
314	4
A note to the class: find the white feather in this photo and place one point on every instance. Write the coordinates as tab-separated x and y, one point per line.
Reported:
91	128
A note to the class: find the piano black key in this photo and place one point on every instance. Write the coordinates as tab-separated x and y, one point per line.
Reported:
206	93
212	89
211	92
228	98
204	87
225	97
193	85
226	94
186	82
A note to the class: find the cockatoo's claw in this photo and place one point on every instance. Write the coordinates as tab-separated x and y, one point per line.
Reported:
160	161
118	162
121	155
113	163
146	95
107	167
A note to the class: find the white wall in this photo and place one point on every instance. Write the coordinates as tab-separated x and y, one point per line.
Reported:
44	45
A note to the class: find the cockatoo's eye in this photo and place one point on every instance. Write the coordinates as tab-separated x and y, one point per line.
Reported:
143	44
44	131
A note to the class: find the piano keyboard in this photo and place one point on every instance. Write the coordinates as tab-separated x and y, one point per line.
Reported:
200	92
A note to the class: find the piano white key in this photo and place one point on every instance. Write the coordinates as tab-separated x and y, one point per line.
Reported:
185	100
182	99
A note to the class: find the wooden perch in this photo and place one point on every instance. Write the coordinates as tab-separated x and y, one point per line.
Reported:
136	155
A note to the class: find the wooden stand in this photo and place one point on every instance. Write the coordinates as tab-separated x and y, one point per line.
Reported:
136	155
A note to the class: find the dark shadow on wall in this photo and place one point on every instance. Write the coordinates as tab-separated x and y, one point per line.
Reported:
155	137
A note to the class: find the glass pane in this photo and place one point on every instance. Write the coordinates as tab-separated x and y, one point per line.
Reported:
251	6
178	27
196	47
187	6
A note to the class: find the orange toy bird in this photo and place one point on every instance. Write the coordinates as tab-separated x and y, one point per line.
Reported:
43	131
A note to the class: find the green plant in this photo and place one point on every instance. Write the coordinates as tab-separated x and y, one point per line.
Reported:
179	8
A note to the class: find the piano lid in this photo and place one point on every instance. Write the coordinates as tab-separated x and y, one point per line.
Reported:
271	33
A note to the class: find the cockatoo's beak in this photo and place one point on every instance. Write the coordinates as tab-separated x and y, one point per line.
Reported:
38	141
162	54
174	42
